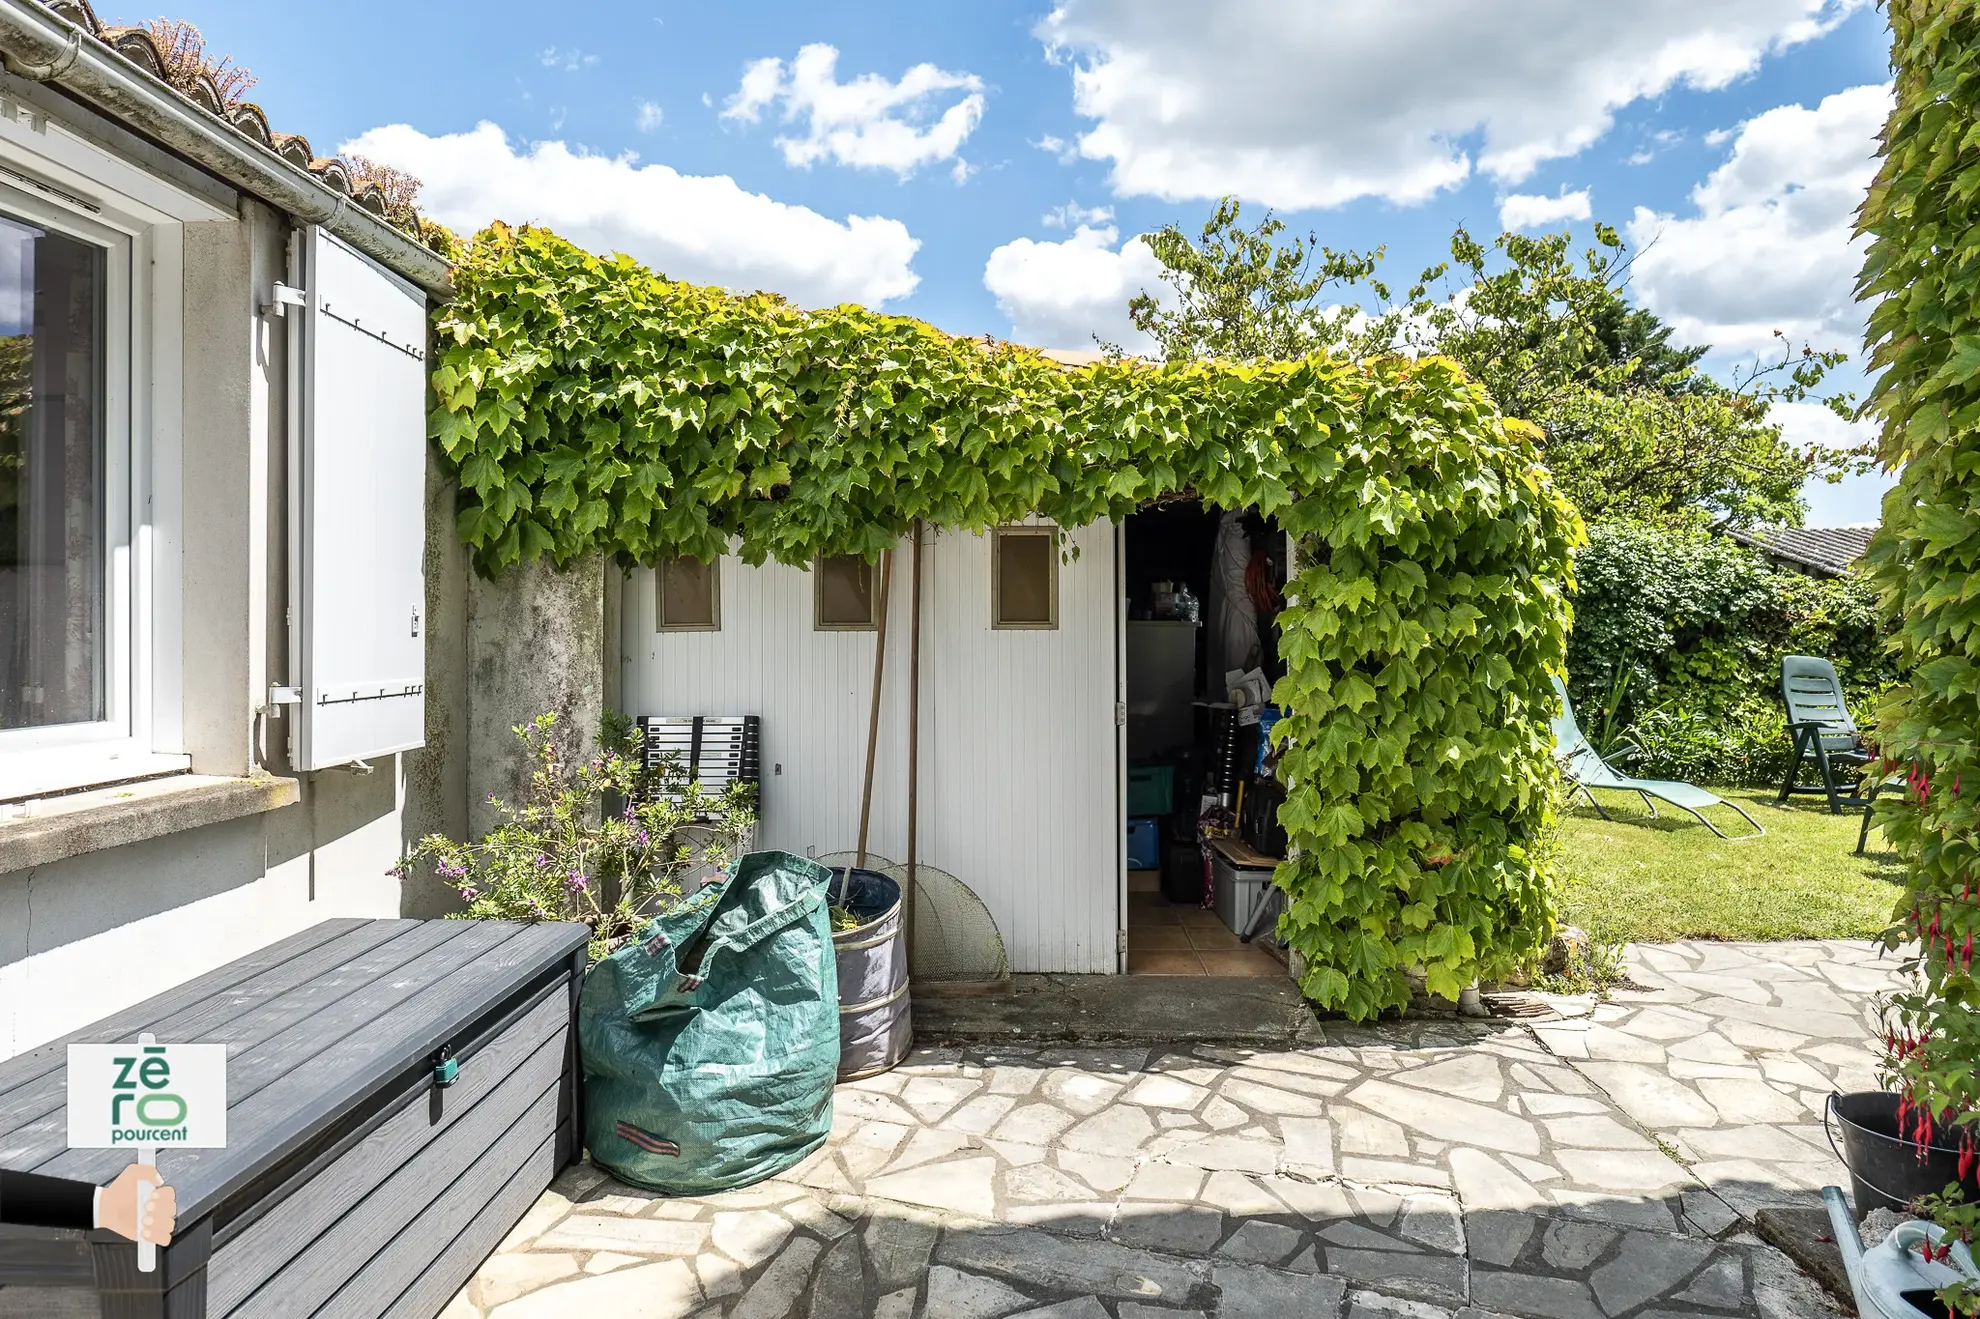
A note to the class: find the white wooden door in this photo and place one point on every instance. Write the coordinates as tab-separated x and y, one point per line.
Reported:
1019	744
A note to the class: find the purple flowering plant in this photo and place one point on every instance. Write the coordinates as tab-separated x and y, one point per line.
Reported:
602	839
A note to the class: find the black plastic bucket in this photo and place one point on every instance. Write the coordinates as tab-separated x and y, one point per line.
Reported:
1885	1168
876	1029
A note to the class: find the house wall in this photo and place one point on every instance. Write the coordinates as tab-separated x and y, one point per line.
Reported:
1019	746
86	935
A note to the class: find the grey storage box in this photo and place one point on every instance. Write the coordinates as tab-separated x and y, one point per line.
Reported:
1243	880
354	1182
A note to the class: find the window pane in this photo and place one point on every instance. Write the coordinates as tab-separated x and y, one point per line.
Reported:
688	594
1025	567
51	478
845	593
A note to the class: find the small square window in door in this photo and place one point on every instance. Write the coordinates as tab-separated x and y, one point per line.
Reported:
688	596
1025	578
846	591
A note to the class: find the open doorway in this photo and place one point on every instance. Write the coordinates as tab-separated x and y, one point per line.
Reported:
1203	591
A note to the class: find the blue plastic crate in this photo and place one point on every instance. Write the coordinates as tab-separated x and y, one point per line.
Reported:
1144	843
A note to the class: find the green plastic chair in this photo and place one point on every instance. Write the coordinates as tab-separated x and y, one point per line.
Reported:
1820	724
1586	769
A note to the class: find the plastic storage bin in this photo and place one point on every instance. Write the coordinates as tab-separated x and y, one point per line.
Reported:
1144	844
1240	888
1151	790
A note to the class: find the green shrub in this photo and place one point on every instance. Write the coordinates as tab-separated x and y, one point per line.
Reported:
1697	625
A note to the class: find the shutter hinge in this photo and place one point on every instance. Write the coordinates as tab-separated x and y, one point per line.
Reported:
285	696
1120	941
285	298
1120	714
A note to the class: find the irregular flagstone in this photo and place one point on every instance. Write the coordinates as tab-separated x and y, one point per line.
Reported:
1646	1267
840	1289
506	1277
1447	1118
1751	1102
1531	1295
1166	1092
1033	1124
651	1291
1261	1243
1594	1131
1498	1236
1084	1307
1473	1076
1432	1277
1651	1097
1364	1133
1307	1146
1240	1196
1485	1183
1099	1267
1270	1100
1252	1292
1100	1171
963	1186
634	1236
898	1246
1184	1228
1080	1093
1433	1221
750	1238
1229	1154
1621	1170
1119	1130
954	1295
977	1116
772	1294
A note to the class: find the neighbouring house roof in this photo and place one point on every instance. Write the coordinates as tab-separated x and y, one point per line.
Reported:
137	47
1829	550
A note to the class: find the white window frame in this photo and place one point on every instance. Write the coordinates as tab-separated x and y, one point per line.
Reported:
141	733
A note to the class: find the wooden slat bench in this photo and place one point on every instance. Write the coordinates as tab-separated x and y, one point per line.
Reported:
352	1184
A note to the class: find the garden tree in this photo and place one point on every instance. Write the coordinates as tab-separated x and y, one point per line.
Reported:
1632	428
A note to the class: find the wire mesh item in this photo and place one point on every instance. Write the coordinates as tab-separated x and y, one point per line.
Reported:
955	936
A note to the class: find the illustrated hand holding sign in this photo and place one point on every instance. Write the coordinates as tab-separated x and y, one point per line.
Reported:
142	1097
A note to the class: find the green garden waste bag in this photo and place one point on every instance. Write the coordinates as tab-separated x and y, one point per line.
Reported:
711	1045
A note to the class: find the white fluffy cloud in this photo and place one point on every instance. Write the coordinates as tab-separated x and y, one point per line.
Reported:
1813	424
1522	211
1317	104
1769	247
868	122
705	229
1061	294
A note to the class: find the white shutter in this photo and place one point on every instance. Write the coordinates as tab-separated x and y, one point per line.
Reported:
358	348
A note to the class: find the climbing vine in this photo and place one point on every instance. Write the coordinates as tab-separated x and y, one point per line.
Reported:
1923	217
591	405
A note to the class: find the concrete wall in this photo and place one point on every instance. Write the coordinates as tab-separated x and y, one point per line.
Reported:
84	936
535	643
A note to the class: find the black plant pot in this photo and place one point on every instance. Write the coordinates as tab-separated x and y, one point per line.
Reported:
1887	1170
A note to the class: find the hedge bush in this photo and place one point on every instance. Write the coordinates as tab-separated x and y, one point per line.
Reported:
1696	625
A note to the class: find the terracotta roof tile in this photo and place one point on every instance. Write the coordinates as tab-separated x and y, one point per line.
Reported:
137	46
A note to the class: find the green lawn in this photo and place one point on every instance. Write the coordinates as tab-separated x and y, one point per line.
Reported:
1635	878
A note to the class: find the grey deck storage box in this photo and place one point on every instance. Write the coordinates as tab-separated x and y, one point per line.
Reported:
352	1183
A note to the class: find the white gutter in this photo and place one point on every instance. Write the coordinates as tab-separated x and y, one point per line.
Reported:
37	45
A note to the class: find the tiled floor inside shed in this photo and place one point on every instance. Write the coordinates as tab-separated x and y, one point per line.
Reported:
1171	939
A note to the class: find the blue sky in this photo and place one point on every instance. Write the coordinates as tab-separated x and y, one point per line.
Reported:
988	166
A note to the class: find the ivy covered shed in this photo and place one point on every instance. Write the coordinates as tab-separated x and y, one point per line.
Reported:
744	462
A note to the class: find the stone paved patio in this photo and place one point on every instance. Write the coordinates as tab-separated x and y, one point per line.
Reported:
1600	1164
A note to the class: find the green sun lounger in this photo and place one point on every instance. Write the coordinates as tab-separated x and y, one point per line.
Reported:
1586	769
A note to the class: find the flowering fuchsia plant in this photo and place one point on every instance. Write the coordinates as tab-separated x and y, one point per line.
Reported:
606	841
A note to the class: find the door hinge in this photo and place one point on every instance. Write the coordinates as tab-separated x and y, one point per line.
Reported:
1120	941
1120	714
